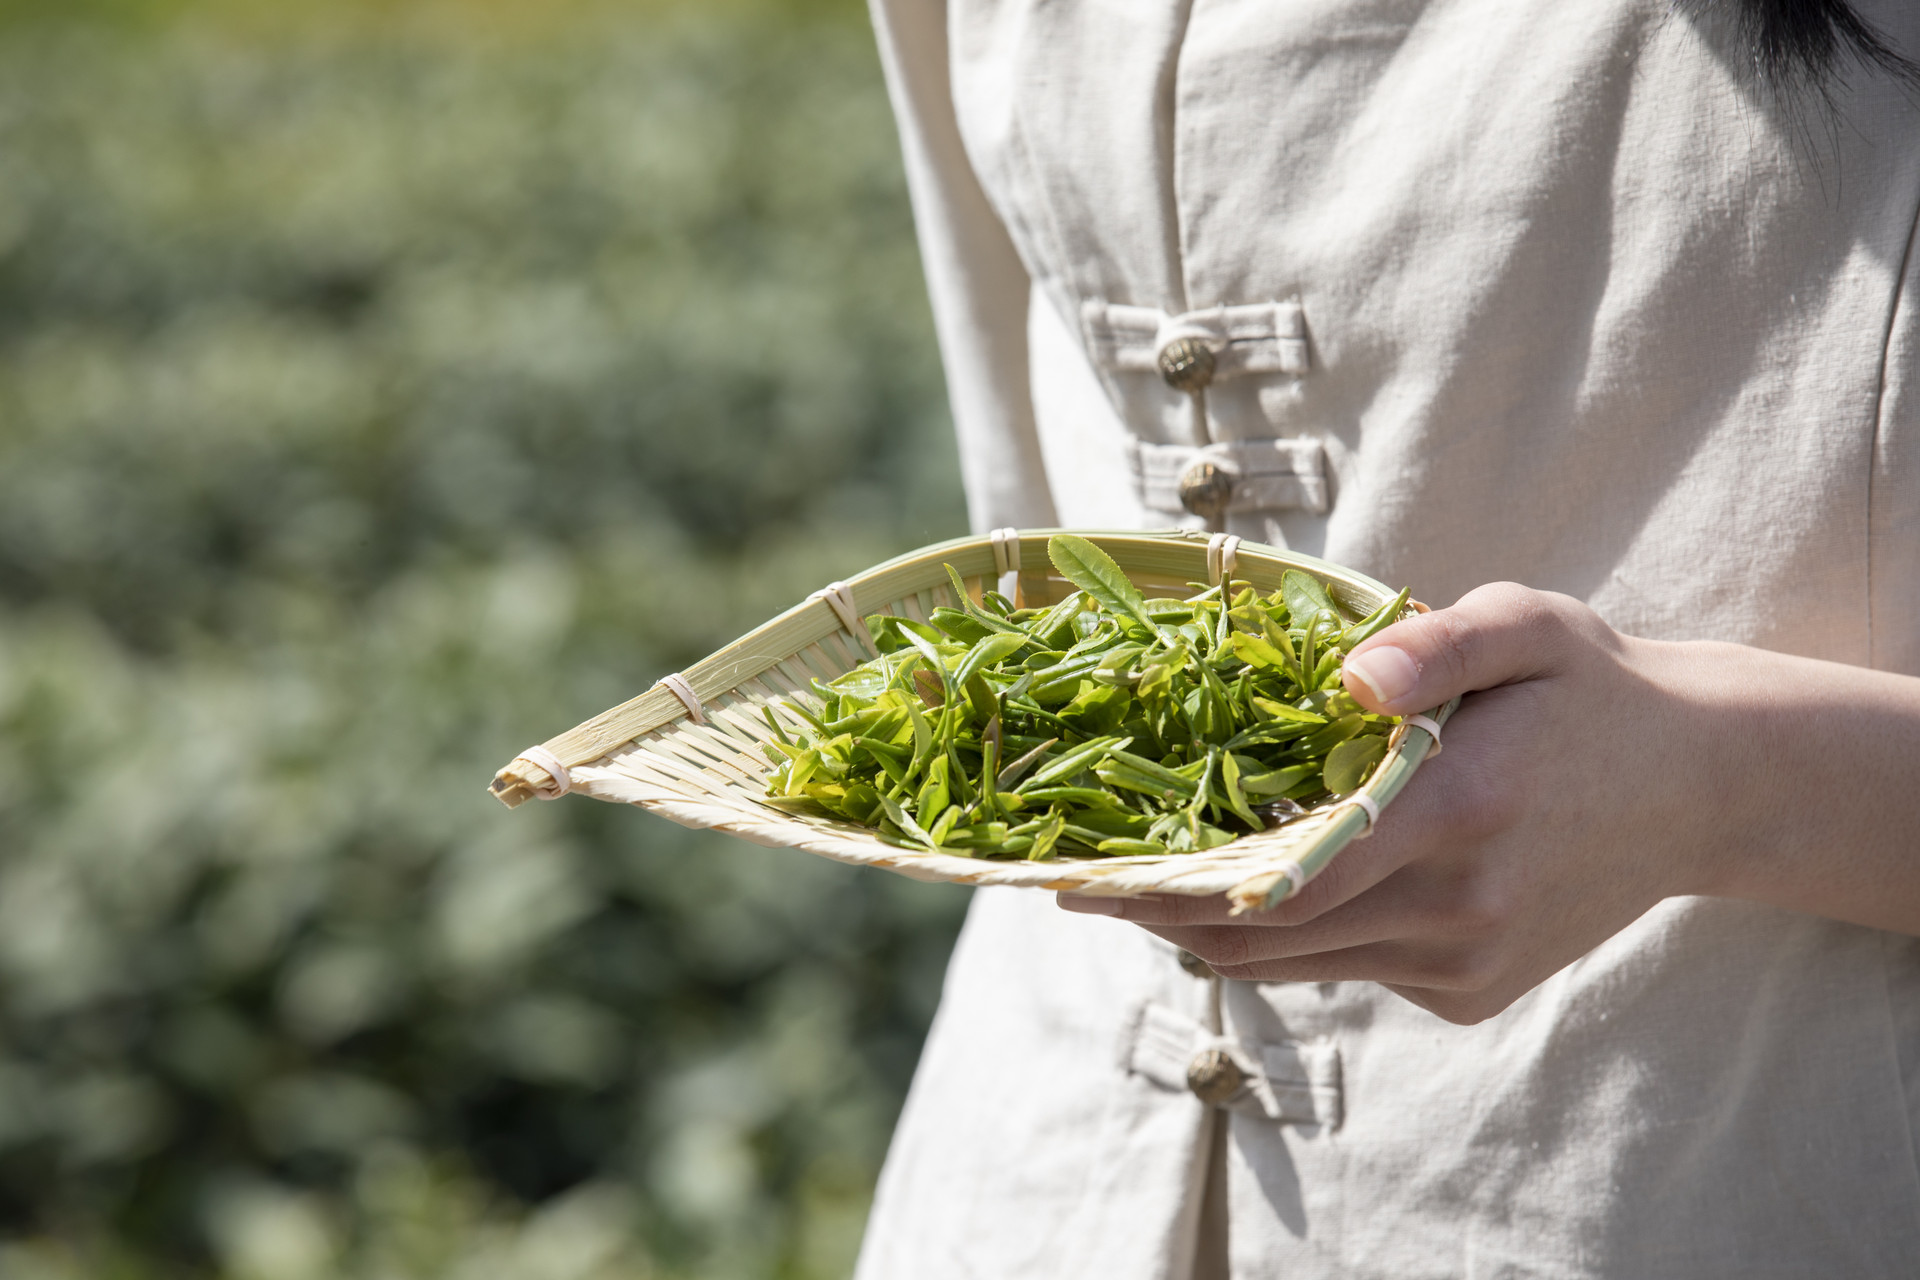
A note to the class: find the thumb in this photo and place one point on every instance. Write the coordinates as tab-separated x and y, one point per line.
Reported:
1494	635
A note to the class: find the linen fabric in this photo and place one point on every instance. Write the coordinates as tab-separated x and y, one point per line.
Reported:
1548	293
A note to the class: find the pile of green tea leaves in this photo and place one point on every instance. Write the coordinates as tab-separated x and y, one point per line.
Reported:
1105	724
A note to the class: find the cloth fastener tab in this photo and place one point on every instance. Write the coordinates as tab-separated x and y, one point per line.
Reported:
1291	1082
1273	474
1260	338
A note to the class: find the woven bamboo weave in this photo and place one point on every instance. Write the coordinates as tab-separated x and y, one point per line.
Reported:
650	751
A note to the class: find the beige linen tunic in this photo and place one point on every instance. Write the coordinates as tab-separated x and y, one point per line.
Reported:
1501	289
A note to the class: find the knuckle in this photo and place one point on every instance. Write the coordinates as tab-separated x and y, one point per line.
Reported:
1464	971
1463	1011
1320	894
1574	618
1454	642
1507	598
1222	947
1178	911
1480	909
1558	626
1479	807
1547	624
1325	891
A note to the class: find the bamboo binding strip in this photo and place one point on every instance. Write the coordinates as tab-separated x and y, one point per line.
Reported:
690	750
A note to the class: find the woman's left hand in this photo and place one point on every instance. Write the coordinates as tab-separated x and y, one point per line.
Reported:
1587	775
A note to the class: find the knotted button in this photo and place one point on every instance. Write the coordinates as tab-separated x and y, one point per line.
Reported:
1206	488
1214	1076
1186	364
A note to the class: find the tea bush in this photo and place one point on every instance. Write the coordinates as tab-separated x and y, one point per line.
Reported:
379	396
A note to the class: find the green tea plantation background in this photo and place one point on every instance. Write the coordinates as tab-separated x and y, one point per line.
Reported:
385	387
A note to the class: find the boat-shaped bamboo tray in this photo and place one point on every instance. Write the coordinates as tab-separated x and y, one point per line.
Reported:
690	747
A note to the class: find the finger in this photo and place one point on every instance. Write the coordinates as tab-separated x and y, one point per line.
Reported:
1422	966
1458	802
1495	635
1415	904
1227	947
1420	826
1462	1008
1410	829
1156	908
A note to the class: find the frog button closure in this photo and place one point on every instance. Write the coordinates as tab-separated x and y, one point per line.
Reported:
1291	1081
1186	364
1206	489
1214	1076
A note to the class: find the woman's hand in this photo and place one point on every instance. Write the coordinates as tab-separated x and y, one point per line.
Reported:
1588	776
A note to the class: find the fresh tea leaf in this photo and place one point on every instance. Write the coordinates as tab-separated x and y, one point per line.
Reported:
1095	572
1349	761
1306	597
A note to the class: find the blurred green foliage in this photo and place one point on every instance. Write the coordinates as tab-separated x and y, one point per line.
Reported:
381	392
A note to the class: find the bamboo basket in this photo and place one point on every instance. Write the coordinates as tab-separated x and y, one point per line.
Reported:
652	752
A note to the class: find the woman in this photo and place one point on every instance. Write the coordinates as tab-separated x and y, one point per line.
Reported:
1460	292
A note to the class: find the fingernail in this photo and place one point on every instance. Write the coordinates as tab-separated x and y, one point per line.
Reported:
1387	673
1090	906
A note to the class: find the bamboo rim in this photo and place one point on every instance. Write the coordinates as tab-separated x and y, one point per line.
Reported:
650	752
